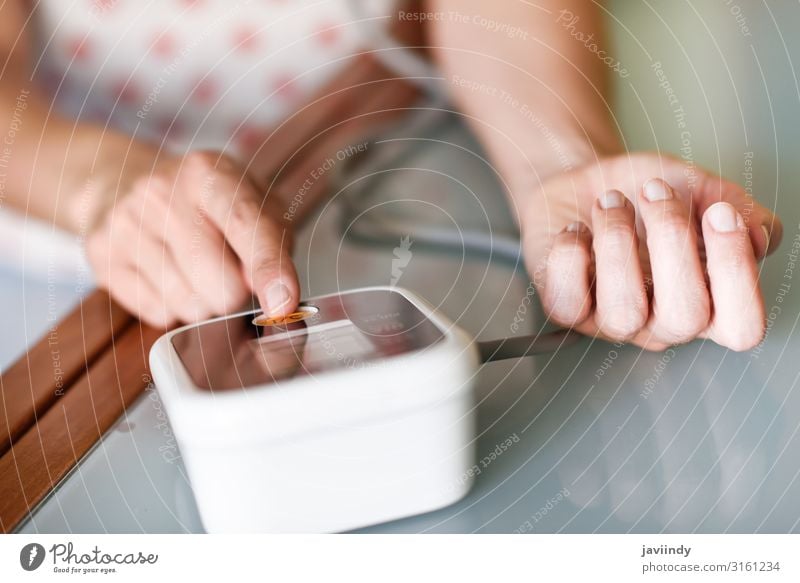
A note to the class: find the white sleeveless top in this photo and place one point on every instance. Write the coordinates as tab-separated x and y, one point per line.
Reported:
187	74
201	73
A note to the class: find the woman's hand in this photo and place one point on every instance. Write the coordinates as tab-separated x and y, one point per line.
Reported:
191	239
650	250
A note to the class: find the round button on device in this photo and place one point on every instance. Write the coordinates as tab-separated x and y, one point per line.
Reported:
302	313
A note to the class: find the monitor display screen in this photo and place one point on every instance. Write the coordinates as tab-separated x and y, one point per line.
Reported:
352	330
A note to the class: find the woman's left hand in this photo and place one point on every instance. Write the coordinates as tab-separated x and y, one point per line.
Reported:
651	250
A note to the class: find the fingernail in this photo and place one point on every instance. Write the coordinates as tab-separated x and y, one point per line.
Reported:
765	230
576	227
612	199
655	190
277	297
723	217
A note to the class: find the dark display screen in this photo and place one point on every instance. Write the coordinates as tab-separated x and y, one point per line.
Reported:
353	330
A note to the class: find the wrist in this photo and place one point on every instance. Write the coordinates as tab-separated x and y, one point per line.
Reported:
103	176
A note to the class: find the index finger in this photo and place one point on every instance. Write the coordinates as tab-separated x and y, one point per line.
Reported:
234	205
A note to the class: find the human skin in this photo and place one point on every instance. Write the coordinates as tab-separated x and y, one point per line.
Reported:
174	238
687	271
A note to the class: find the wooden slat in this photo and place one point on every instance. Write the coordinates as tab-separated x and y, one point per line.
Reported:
37	380
40	458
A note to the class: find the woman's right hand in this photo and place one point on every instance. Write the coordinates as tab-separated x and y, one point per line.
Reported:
191	239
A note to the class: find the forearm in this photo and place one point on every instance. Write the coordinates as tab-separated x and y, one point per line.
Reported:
52	167
537	95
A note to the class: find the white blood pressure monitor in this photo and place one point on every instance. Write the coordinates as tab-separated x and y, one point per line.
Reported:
357	411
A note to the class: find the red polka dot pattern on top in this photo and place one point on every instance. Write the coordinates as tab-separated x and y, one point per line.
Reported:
283	86
246	39
327	34
125	92
79	48
192	71
102	5
248	138
163	45
204	92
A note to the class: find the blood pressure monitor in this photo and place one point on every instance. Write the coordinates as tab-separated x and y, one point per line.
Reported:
355	410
